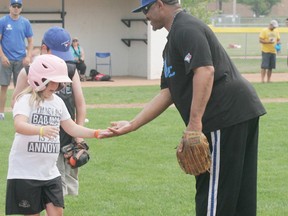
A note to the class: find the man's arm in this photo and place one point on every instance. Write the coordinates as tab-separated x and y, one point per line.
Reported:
27	59
151	110
21	84
202	87
263	41
80	103
1	51
4	59
278	37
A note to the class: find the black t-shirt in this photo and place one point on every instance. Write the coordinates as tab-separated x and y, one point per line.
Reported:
68	97
66	93
192	44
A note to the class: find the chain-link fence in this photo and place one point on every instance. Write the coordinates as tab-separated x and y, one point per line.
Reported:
245	50
230	20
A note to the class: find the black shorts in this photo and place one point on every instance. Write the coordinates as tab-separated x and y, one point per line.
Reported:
24	196
268	61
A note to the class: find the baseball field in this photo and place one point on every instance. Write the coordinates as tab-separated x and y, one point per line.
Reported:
138	174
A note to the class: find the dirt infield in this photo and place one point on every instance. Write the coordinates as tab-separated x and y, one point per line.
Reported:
136	81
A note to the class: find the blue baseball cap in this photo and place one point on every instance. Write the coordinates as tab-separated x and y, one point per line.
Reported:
144	3
58	40
15	2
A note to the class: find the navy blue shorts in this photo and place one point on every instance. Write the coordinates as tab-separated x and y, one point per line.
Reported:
24	196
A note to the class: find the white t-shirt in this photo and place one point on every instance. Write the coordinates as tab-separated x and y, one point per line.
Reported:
32	156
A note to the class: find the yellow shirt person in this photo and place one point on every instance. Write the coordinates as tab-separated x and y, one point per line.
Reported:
270	37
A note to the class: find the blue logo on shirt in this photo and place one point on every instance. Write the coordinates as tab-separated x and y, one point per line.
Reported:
167	70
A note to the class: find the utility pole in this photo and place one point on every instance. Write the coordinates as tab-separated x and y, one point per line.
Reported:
234	10
220	6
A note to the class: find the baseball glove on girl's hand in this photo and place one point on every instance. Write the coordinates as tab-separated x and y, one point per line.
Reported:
76	153
193	153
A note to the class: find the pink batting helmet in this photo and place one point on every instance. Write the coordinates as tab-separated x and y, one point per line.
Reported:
46	68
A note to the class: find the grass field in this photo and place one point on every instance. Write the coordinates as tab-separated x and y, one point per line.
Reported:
138	174
249	43
253	65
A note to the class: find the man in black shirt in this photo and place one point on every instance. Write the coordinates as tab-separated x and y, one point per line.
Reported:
211	96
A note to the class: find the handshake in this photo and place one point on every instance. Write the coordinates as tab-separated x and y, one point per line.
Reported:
115	129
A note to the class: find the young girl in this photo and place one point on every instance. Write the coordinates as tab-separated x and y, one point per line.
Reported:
33	181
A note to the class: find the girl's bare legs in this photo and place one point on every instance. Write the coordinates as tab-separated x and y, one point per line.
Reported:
52	210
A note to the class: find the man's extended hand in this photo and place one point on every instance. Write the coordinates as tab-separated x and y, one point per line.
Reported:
116	129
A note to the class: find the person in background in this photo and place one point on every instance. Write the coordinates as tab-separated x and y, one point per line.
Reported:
33	180
269	38
13	31
200	79
79	58
286	23
57	41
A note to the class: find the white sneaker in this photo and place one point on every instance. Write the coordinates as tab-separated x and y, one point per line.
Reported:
2	116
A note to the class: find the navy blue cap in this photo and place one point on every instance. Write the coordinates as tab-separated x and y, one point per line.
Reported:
144	3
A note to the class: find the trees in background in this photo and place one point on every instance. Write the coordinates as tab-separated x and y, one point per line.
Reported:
260	7
198	8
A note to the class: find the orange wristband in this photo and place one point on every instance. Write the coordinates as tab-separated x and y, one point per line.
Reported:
96	133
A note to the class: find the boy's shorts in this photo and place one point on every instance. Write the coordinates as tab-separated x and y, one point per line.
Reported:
69	176
25	196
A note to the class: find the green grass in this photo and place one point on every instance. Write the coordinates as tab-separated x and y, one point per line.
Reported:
272	90
119	95
249	42
142	94
253	65
138	174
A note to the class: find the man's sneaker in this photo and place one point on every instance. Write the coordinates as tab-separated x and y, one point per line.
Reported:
2	116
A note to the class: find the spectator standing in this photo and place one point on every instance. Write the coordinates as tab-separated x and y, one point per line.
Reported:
79	58
269	38
286	23
209	92
13	53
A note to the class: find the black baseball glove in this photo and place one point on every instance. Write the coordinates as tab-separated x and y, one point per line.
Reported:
76	153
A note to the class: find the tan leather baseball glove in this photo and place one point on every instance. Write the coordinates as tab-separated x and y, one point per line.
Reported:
193	153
